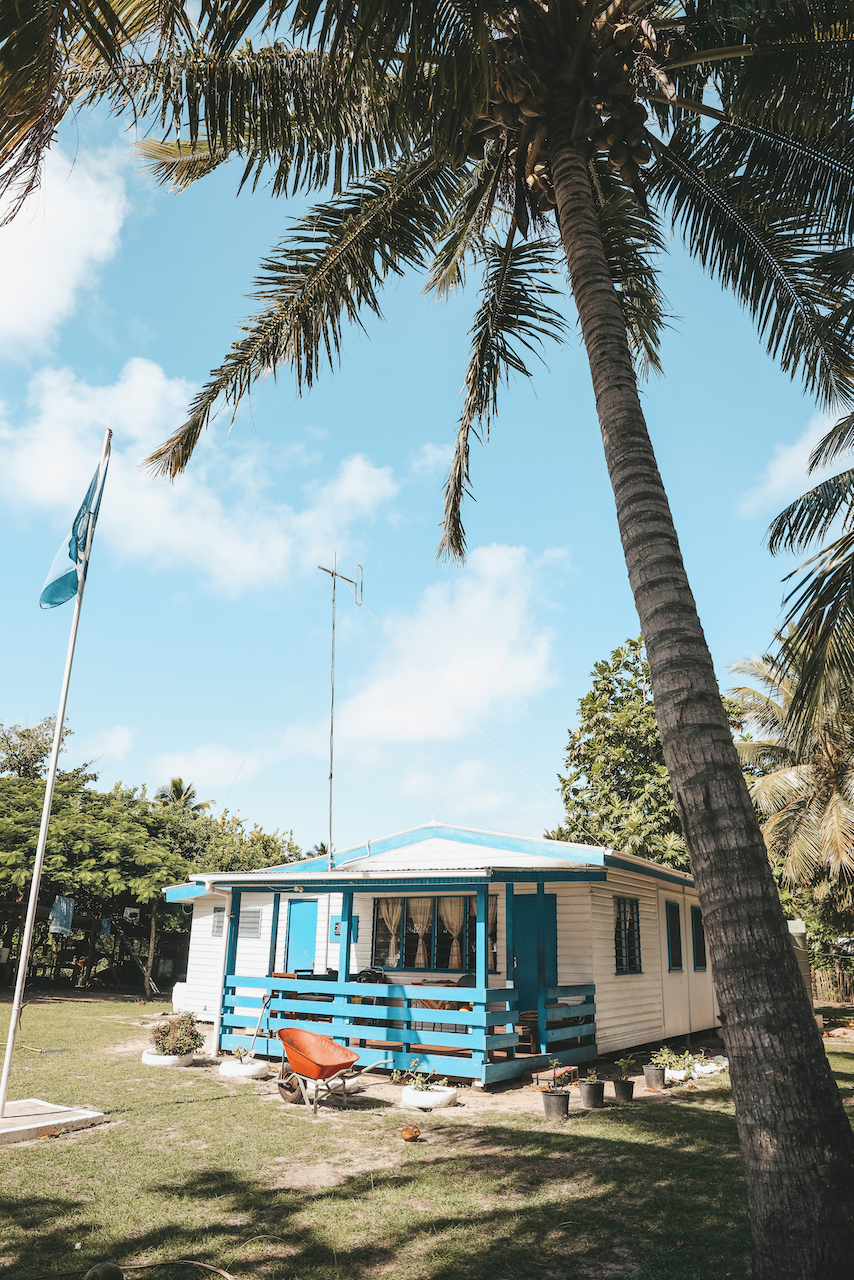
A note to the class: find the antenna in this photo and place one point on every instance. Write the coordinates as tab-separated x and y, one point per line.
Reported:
358	585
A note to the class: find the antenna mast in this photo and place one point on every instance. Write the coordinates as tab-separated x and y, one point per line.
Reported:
358	585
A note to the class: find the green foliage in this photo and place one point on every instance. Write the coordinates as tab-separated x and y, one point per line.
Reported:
25	749
178	1036
617	788
223	844
625	1065
181	795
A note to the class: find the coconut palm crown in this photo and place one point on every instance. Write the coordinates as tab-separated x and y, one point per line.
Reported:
804	772
525	141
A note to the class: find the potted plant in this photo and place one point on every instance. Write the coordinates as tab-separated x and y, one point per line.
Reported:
592	1091
242	1067
653	1074
556	1094
423	1089
174	1042
624	1087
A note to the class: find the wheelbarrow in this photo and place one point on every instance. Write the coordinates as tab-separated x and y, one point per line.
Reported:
309	1057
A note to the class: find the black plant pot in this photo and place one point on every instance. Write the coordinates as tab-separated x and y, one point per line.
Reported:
593	1094
556	1105
623	1090
653	1077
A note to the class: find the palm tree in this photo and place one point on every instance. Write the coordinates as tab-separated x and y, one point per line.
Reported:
803	782
181	795
560	105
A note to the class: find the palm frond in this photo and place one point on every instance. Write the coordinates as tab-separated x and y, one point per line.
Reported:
839	439
821	622
811	516
514	318
329	268
795	303
464	235
631	238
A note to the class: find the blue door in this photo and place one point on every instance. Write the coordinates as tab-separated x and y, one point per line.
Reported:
302	936
526	938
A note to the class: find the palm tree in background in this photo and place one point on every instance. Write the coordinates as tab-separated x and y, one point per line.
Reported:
181	795
804	773
522	140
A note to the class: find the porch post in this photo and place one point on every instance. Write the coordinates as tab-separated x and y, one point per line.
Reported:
229	963
482	937
541	966
346	930
510	961
274	933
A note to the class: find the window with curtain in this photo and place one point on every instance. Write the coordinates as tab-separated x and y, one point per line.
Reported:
434	934
627	953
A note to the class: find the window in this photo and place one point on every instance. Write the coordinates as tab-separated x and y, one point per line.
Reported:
439	934
674	936
698	934
217	922
627	952
249	924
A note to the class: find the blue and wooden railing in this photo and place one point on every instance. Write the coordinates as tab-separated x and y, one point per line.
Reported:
456	1042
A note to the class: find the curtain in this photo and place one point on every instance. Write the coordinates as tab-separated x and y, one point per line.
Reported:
452	912
390	909
421	914
493	931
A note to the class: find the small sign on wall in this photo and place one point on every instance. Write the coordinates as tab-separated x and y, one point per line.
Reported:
335	928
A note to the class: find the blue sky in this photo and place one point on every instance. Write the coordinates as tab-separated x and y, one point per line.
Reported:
204	645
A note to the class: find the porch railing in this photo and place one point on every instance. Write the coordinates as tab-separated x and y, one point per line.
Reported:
474	1038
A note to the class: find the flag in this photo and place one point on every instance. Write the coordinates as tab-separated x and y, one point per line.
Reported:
59	920
68	571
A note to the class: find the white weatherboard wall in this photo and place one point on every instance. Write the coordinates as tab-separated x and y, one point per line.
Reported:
628	1006
204	963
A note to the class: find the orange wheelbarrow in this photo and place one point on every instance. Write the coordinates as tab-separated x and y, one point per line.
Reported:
317	1059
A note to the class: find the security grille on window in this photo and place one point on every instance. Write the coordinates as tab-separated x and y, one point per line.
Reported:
249	924
439	934
218	922
627	952
699	938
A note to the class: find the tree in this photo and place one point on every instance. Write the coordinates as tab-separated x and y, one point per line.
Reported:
181	795
388	99
25	750
227	846
617	789
803	782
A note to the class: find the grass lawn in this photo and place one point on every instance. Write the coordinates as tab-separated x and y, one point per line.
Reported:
193	1166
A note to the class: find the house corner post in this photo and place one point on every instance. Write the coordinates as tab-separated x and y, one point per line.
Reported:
229	957
541	967
510	958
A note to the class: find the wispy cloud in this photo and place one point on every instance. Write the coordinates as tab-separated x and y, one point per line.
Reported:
51	253
787	474
432	460
219	519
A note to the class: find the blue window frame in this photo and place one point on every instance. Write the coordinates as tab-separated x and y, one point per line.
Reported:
674	936
436	934
627	948
698	937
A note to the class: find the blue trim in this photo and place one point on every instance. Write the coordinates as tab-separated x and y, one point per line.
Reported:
671	967
184	892
425	881
274	932
612	860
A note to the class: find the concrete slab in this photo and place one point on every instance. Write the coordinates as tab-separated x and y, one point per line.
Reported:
33	1118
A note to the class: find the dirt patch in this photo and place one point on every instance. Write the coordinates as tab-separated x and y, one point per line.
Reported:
317	1175
126	1048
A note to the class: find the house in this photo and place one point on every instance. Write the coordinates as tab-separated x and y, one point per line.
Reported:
554	950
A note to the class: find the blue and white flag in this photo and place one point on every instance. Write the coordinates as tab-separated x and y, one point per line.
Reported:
68	571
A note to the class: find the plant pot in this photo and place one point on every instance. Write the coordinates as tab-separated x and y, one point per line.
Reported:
436	1095
555	1105
624	1090
249	1070
592	1094
653	1077
152	1059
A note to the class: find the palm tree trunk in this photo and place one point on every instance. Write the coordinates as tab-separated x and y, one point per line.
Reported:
796	1141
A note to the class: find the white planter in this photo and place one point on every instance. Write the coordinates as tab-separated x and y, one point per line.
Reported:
250	1070
152	1059
437	1095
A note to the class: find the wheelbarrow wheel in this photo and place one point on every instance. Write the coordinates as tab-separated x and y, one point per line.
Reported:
289	1089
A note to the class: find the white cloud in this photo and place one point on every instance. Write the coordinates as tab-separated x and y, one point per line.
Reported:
106	744
432	460
787	475
211	765
51	252
240	541
475	638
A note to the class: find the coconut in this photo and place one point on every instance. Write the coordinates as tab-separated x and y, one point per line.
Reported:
625	34
641	154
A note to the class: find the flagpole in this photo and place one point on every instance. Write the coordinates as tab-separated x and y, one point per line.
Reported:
32	905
